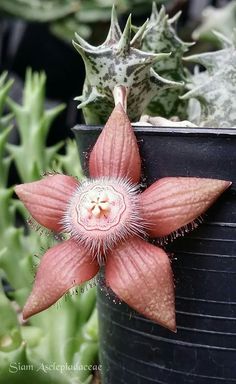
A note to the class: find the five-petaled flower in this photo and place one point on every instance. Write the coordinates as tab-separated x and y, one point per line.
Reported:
108	219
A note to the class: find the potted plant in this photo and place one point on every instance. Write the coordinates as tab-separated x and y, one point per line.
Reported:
134	348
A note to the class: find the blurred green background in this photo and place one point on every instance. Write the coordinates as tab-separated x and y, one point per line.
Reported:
37	111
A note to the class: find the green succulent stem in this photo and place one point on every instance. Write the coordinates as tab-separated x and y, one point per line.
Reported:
33	124
5	130
119	62
161	36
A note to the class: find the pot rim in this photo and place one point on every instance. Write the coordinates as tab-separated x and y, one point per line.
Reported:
151	130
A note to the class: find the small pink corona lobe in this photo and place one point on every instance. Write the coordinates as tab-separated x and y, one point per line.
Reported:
47	199
62	267
173	202
116	152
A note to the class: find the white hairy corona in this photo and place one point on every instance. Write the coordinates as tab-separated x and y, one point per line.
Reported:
103	212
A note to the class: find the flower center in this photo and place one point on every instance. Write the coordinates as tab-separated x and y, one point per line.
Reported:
100	208
99	204
103	212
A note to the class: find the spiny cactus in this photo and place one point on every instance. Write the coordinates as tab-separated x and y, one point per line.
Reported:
119	63
161	36
214	88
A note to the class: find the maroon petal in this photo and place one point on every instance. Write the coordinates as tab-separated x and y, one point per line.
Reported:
47	199
116	152
140	274
173	202
62	267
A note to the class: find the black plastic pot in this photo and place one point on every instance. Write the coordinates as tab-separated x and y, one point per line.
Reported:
134	350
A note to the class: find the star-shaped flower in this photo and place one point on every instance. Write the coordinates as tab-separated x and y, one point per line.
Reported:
108	220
